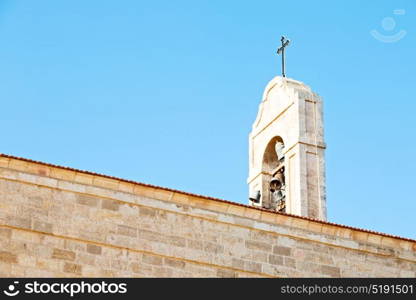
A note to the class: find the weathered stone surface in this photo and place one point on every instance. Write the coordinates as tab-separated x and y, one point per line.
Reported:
174	263
87	200
331	271
280	250
42	226
72	268
275	260
8	257
109	204
5	233
254	245
226	273
152	260
148	212
93	249
46	231
127	230
63	254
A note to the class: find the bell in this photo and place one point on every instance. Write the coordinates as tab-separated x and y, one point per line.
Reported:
275	184
255	197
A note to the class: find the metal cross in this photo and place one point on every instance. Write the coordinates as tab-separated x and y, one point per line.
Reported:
285	43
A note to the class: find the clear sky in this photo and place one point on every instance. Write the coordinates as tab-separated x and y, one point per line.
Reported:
165	92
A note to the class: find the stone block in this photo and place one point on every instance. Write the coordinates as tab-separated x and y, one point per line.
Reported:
180	198
19	165
134	267
374	238
252	213
275	260
94	249
176	241
4	162
284	220
162	194
104	182
27	177
147	211
289	262
360	236
5	233
197	245
329	229
72	268
74	246
213	248
300	223
236	210
152	260
223	273
281	250
71	186
268	217
38	169
43	226
216	206
237	263
8	257
26	260
62	174
63	254
47	181
247	222
87	200
85	259
83	178
150	235
126	187
259	256
252	267
331	271
178	264
27	236
255	245
127	230
390	242
344	232
110	204
406	245
47	264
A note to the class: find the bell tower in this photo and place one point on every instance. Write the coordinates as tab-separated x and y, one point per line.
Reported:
286	151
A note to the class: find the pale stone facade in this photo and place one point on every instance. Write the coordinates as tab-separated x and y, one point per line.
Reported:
289	113
57	221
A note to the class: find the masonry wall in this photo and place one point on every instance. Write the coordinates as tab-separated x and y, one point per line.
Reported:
61	222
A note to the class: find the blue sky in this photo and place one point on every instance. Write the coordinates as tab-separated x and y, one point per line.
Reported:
165	92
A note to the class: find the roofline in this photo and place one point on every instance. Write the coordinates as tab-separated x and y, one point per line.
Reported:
205	197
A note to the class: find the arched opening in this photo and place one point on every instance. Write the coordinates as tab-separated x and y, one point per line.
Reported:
273	167
273	155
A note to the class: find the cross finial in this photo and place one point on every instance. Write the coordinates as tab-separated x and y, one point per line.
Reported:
285	43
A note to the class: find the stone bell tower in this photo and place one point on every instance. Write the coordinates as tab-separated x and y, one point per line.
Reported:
286	151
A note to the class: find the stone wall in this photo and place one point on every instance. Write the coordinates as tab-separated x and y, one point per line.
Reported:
63	222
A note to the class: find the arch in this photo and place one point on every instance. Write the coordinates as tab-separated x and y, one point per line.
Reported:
270	157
